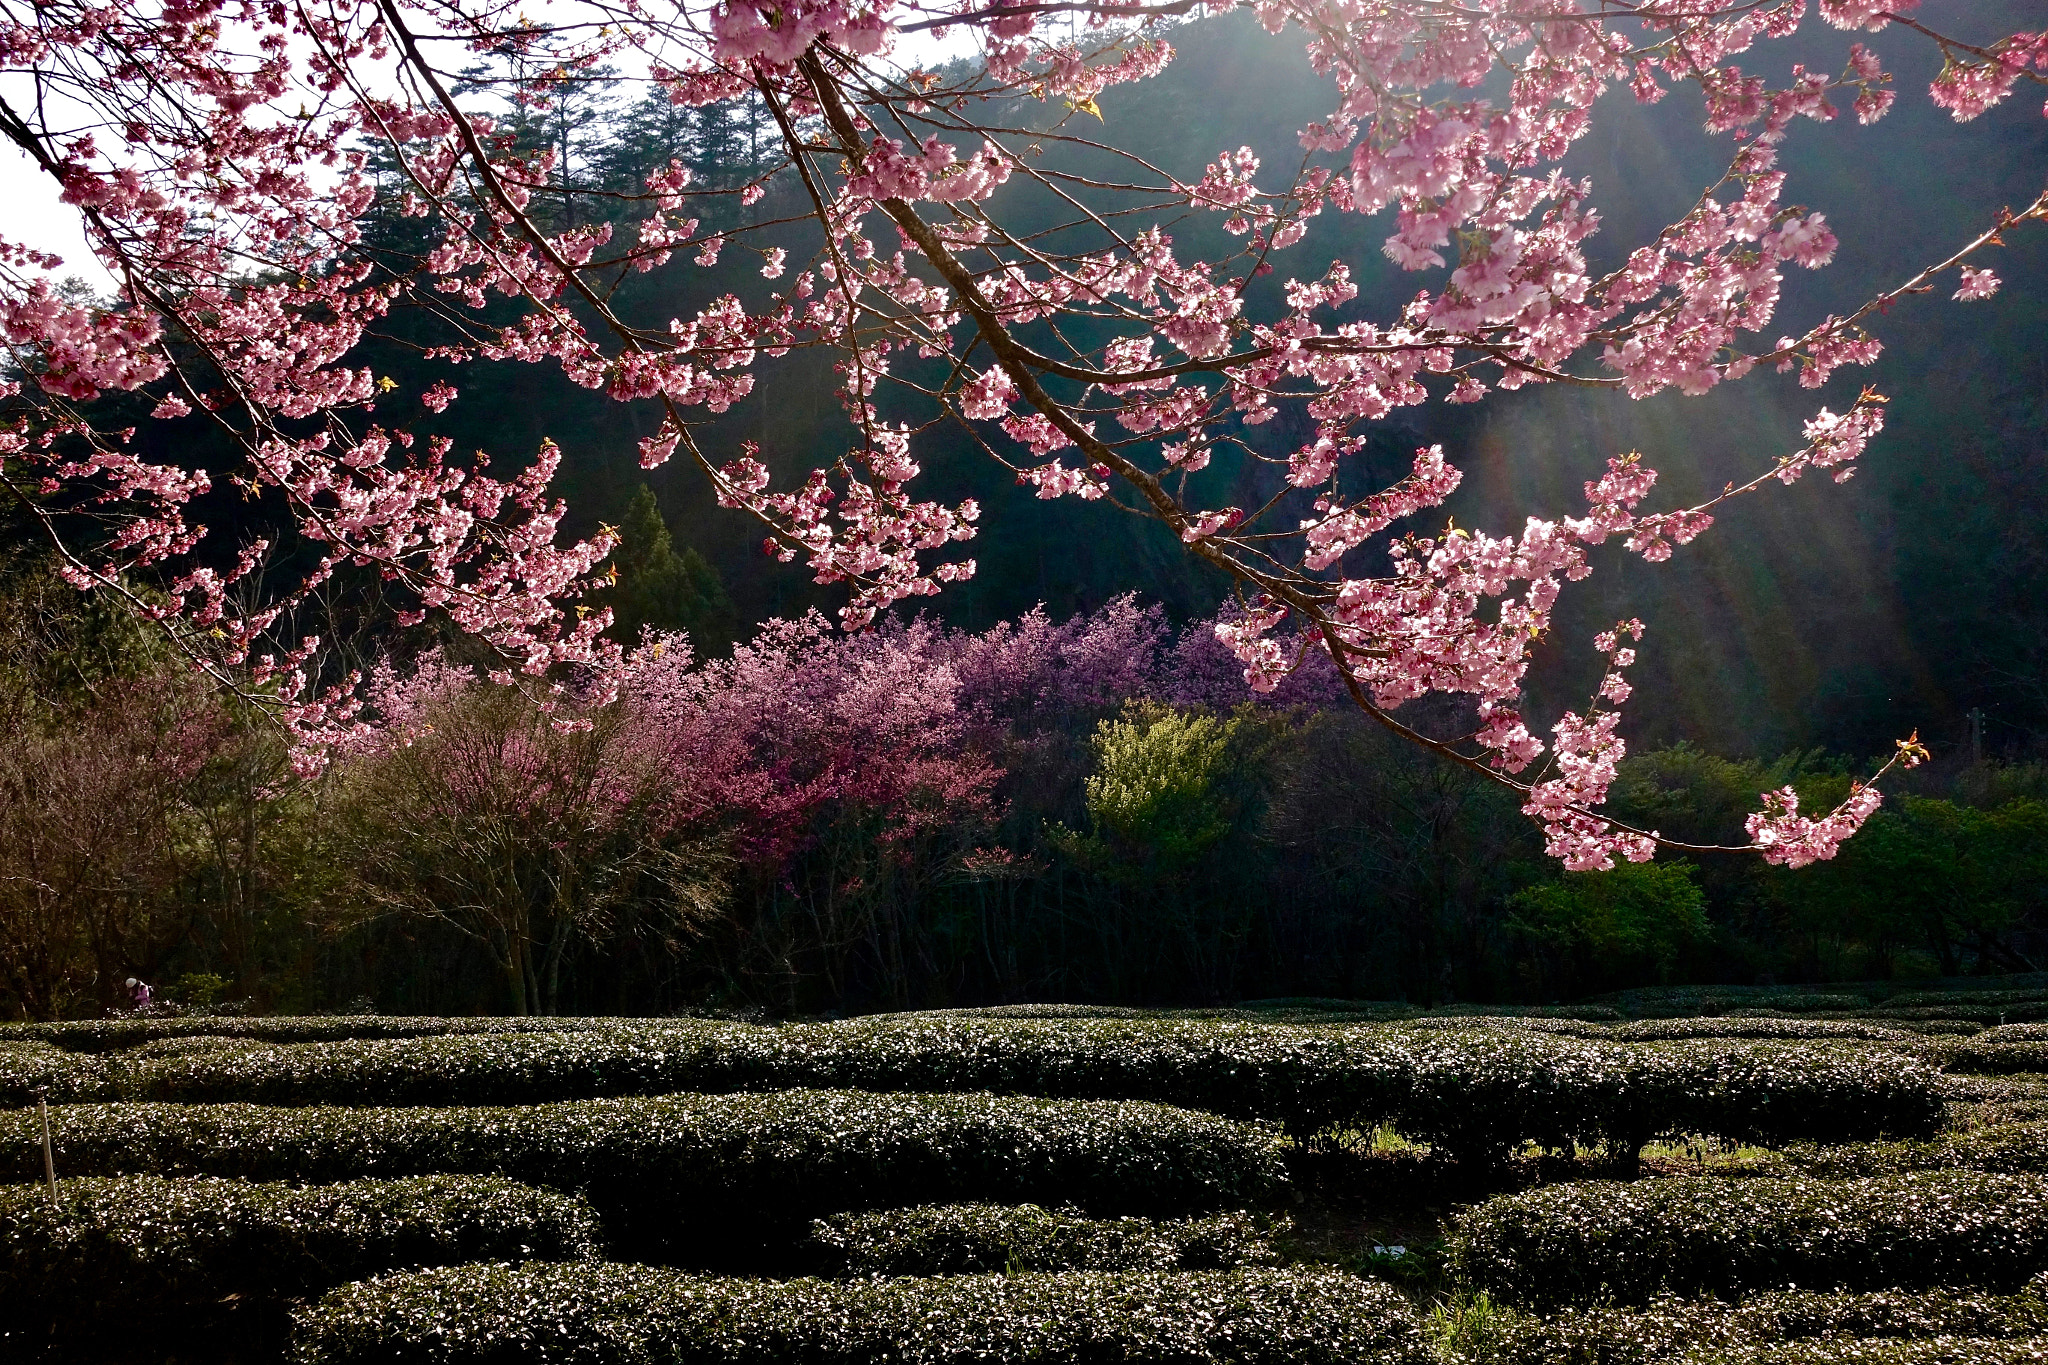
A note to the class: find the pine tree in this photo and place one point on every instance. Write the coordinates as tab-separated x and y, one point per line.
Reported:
663	589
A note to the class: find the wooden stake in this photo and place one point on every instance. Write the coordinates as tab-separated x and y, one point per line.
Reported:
49	1157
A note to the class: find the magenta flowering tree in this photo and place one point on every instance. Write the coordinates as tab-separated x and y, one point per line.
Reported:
219	156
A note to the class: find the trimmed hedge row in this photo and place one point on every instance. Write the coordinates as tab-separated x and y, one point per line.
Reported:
631	1315
2014	1033
2016	1148
967	1239
704	1175
1478	1091
113	1035
1983	1015
1736	1026
154	1248
1811	1326
1627	1242
1842	1351
1564	1028
1988	1056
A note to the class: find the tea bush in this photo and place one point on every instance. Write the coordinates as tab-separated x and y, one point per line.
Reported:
147	1248
113	1035
631	1315
717	1175
1477	1092
1627	1242
961	1239
1808	1326
1744	1026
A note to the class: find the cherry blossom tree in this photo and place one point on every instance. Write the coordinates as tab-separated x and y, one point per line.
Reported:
220	158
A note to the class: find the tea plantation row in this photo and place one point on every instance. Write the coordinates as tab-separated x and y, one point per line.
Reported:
1478	1093
976	1189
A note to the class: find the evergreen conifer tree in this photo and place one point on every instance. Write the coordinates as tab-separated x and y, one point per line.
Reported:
663	588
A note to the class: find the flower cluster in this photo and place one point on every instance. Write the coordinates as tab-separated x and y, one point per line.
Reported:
234	170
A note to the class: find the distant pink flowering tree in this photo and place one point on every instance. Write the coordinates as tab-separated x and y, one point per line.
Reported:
215	153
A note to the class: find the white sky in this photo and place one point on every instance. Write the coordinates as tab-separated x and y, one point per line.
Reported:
33	217
31	214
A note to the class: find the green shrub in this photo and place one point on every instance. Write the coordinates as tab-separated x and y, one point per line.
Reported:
1477	1091
965	1239
1985	1015
1987	1056
631	1315
112	1035
112	1251
2014	1033
1633	920
2015	1148
1912	999
1599	1240
1858	1326
1808	1001
704	1175
1945	1350
1563	1028
1737	1026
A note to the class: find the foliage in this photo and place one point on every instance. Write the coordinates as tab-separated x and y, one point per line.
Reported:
141	1250
1478	1094
1599	1240
1941	874
461	235
1624	924
1651	1030
1154	790
661	590
723	1180
970	1239
1241	1317
1794	1326
482	812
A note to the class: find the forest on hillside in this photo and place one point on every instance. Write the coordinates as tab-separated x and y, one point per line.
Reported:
1079	804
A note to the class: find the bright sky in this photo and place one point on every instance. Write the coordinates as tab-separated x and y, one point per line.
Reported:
32	216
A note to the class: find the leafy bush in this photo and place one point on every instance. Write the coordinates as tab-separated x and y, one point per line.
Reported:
962	1239
1631	921
1707	1329
2014	1033
1563	1028
1943	1350
697	1175
1476	1092
1733	1026
2019	1148
110	1250
2036	995
112	1035
1991	1056
630	1315
1590	1242
1987	1015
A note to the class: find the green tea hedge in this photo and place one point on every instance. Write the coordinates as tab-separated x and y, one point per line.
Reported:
631	1315
1987	1055
1479	1091
112	1035
146	1247
1887	1325
2015	1033
1741	1026
965	1239
1626	1242
1846	1351
704	1175
2018	1148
